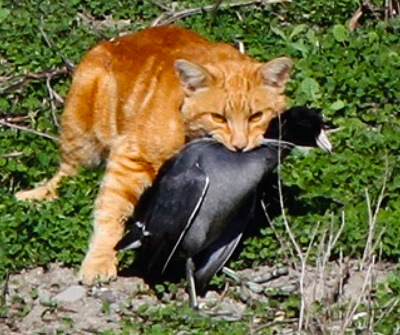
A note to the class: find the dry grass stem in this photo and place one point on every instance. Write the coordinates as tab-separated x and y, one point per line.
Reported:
373	215
295	244
332	316
352	308
285	246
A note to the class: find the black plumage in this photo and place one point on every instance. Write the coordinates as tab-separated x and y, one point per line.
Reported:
204	196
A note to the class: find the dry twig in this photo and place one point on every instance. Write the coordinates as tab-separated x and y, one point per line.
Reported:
52	98
16	118
12	154
388	10
174	16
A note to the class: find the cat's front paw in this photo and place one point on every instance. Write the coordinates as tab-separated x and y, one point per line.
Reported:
98	269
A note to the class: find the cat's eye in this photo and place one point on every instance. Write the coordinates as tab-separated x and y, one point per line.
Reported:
256	117
218	118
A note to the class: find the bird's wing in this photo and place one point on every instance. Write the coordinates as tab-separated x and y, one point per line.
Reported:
216	257
174	206
195	191
212	259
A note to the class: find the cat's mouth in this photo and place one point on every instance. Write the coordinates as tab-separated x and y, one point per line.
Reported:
254	142
250	144
248	147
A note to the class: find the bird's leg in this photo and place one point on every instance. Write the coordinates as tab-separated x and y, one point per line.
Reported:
190	280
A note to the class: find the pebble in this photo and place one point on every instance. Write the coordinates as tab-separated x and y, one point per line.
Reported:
269	275
85	310
71	294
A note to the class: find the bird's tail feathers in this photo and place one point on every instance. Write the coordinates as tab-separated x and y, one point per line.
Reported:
134	238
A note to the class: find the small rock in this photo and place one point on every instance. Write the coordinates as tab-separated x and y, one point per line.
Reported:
244	294
106	296
115	307
256	288
33	319
43	294
71	294
281	291
269	275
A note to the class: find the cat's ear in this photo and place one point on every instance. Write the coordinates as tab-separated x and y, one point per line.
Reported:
192	76
276	72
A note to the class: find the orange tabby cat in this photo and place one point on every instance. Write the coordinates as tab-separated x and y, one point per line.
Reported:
135	99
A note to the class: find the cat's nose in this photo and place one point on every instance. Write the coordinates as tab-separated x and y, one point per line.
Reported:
239	143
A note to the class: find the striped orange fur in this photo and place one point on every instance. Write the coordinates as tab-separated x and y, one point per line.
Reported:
135	100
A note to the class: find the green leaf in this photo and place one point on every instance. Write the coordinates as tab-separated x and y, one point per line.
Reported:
340	33
312	37
298	30
43	159
3	14
338	104
309	87
300	47
279	32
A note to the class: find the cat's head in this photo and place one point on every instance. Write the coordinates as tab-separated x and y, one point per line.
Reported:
233	102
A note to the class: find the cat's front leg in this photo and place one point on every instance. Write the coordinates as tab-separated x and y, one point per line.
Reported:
126	177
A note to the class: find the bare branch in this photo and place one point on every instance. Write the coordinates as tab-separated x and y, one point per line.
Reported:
50	44
14	126
26	79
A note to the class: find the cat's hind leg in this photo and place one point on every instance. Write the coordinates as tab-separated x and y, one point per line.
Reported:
79	140
77	147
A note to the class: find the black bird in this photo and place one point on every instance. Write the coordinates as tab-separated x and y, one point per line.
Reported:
205	195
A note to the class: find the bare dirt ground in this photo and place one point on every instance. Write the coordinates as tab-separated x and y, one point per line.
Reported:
47	302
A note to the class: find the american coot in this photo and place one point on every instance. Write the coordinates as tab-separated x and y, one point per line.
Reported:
204	196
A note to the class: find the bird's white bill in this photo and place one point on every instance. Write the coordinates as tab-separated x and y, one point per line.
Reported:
323	142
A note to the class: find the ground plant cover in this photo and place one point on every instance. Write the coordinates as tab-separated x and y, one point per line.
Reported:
340	210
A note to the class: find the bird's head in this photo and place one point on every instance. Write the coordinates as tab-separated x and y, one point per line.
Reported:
301	126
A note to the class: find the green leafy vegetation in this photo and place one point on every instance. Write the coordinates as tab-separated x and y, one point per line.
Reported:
351	75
